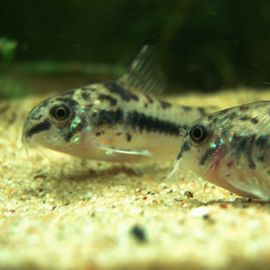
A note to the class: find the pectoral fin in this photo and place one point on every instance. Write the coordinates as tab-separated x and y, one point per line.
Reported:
110	150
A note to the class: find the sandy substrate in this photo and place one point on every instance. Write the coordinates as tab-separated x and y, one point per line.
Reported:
58	212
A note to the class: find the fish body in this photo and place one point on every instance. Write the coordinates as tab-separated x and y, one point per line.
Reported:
105	121
231	148
113	121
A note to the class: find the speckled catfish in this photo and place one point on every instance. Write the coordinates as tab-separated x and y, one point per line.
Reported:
231	148
113	121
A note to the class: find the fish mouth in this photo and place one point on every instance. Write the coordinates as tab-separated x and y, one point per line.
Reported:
26	140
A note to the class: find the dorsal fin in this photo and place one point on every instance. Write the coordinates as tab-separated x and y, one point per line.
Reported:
144	74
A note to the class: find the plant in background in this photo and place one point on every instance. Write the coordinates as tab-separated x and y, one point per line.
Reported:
7	49
9	87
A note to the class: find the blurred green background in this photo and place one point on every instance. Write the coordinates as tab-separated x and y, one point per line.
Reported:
203	45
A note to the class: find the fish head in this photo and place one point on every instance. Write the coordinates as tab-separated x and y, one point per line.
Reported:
207	149
230	148
59	123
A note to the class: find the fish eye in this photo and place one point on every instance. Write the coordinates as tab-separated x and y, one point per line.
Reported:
60	112
198	133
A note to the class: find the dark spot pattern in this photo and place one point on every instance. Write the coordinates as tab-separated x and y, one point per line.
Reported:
110	99
262	145
254	121
261	158
109	117
261	141
117	89
165	104
186	108
201	111
244	107
99	133
188	194
45	125
232	115
150	100
230	163
85	95
139	233
243	146
245	118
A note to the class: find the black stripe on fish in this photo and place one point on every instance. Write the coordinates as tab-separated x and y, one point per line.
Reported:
45	125
108	117
202	111
262	143
144	122
185	147
243	146
76	129
112	100
117	89
164	104
248	152
137	121
210	151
